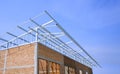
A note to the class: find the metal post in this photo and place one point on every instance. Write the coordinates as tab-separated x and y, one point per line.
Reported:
36	54
5	59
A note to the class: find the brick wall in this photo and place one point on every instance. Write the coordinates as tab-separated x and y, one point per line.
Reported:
83	68
20	56
20	60
51	55
77	66
20	71
1	71
2	55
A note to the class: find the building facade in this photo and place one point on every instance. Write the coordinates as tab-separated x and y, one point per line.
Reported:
22	59
43	48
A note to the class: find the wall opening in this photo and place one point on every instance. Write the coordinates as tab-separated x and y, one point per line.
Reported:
48	67
69	70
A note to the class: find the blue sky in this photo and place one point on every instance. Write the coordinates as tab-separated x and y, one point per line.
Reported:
95	24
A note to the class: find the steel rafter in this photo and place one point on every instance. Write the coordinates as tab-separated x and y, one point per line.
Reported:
43	34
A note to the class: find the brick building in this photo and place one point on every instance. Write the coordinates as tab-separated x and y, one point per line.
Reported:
41	51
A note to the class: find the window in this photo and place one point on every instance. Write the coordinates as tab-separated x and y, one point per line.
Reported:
69	70
80	71
58	69
86	72
54	68
42	66
66	69
46	67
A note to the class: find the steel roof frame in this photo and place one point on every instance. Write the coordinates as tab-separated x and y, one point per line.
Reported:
41	34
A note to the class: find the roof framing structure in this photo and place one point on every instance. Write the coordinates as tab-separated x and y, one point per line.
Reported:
52	35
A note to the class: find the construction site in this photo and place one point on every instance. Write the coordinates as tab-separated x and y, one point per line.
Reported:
44	48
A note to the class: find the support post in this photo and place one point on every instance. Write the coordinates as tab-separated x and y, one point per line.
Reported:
36	54
5	59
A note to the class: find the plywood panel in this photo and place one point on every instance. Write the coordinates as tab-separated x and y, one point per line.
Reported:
54	68
47	67
43	66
